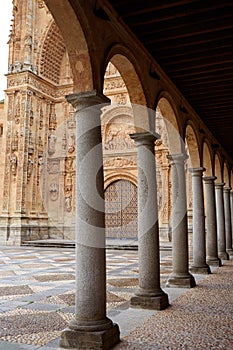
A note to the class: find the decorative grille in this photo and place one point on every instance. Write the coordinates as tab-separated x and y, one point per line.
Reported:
121	210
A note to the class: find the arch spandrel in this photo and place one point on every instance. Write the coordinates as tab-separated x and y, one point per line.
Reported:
192	147
207	163
174	140
217	168
137	100
226	178
75	43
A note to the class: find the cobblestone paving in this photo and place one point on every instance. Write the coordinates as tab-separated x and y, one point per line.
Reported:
37	302
202	318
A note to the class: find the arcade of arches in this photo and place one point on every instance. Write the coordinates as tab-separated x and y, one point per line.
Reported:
120	133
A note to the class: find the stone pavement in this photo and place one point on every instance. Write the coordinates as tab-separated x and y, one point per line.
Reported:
37	302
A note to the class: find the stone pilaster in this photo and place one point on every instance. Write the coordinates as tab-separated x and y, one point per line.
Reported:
227	215
222	254
90	329
180	276
211	223
199	243
149	295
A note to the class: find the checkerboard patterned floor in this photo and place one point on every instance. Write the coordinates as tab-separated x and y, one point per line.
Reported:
37	291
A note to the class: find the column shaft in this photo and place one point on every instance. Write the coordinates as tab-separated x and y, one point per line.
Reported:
211	224
180	276
199	244
90	326
222	254
231	201
149	294
227	214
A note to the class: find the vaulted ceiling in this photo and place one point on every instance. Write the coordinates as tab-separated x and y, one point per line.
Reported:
192	40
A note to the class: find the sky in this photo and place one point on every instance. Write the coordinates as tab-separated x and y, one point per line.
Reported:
5	25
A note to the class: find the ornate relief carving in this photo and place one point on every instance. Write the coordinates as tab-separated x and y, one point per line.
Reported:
30	143
68	201
40	168
111	70
15	141
121	99
17	111
52	117
53	166
118	162
52	143
31	118
118	138
41	117
54	190
29	167
114	85
71	141
14	164
68	187
41	4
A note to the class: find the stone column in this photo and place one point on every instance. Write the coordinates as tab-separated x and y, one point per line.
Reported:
231	201
90	329
199	244
227	214
222	254
149	294
180	276
211	224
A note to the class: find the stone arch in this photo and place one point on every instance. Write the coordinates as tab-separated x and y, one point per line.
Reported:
191	142
121	209
193	161
217	168
226	177
114	176
207	162
231	179
126	64
72	31
166	107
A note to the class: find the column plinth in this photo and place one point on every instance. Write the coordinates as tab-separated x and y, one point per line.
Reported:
211	224
199	264
90	329
227	215
180	276
149	295
222	253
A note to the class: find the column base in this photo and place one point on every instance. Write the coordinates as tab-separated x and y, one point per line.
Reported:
104	340
159	302
202	270
230	252
223	256
213	261
181	281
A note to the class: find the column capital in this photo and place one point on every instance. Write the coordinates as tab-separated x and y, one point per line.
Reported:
226	189
209	179
82	100
197	171
177	158
144	138
219	185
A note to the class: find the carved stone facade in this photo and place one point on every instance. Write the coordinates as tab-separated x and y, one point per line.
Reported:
37	186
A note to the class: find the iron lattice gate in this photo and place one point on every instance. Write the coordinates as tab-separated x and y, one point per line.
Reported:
121	209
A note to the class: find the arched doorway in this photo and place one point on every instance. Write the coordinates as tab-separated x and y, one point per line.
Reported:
121	209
